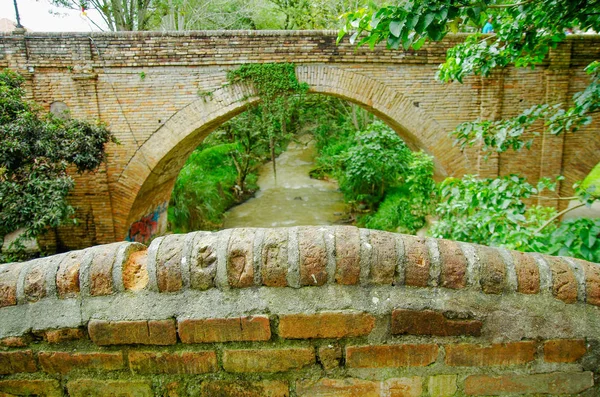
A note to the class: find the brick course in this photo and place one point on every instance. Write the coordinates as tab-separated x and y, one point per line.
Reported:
267	360
553	383
325	325
65	362
391	356
471	355
152	332
428	322
190	363
256	328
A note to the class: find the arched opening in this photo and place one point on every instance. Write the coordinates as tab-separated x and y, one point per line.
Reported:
145	186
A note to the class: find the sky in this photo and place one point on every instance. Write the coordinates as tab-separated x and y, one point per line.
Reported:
36	16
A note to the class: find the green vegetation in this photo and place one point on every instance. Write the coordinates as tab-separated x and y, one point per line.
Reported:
221	172
181	15
493	211
37	148
205	188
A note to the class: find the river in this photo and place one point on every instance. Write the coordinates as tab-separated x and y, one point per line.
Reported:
293	198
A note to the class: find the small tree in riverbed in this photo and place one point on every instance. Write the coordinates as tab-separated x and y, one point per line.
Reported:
35	151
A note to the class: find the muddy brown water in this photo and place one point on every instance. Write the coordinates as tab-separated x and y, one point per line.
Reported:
293	198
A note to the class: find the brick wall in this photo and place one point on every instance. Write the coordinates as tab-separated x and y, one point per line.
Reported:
148	87
306	311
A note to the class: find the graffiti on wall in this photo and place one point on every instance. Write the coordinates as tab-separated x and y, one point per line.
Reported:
148	226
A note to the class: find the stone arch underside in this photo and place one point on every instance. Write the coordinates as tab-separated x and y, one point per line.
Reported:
145	186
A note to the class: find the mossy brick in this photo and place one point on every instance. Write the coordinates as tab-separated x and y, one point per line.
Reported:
13	362
501	354
564	350
151	332
31	387
442	385
395	387
555	383
61	335
242	388
180	363
65	362
109	388
391	356
267	360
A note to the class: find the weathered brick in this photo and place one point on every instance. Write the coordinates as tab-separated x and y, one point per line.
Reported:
240	258
552	383
135	271
14	341
564	350
442	385
416	273
67	276
492	270
168	263
384	258
347	255
403	387
592	281
63	335
65	362
454	265
30	387
267	360
9	275
275	258
203	261
528	273
564	283
152	332
325	325
35	282
16	362
391	356
472	355
313	256
253	328
241	388
396	387
428	322
330	356
190	363
338	388
109	388
101	280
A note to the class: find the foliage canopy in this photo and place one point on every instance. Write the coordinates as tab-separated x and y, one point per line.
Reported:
524	33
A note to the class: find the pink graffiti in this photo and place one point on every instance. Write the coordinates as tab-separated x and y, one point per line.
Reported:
144	229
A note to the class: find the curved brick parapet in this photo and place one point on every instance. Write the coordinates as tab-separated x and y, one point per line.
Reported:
303	311
296	257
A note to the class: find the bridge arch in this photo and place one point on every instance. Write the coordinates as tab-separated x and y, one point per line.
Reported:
146	183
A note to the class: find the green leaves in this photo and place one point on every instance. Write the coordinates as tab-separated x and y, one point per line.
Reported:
35	152
489	211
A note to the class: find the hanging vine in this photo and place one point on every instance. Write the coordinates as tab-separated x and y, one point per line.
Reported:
279	91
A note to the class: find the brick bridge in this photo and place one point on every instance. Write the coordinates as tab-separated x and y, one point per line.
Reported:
151	90
304	311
